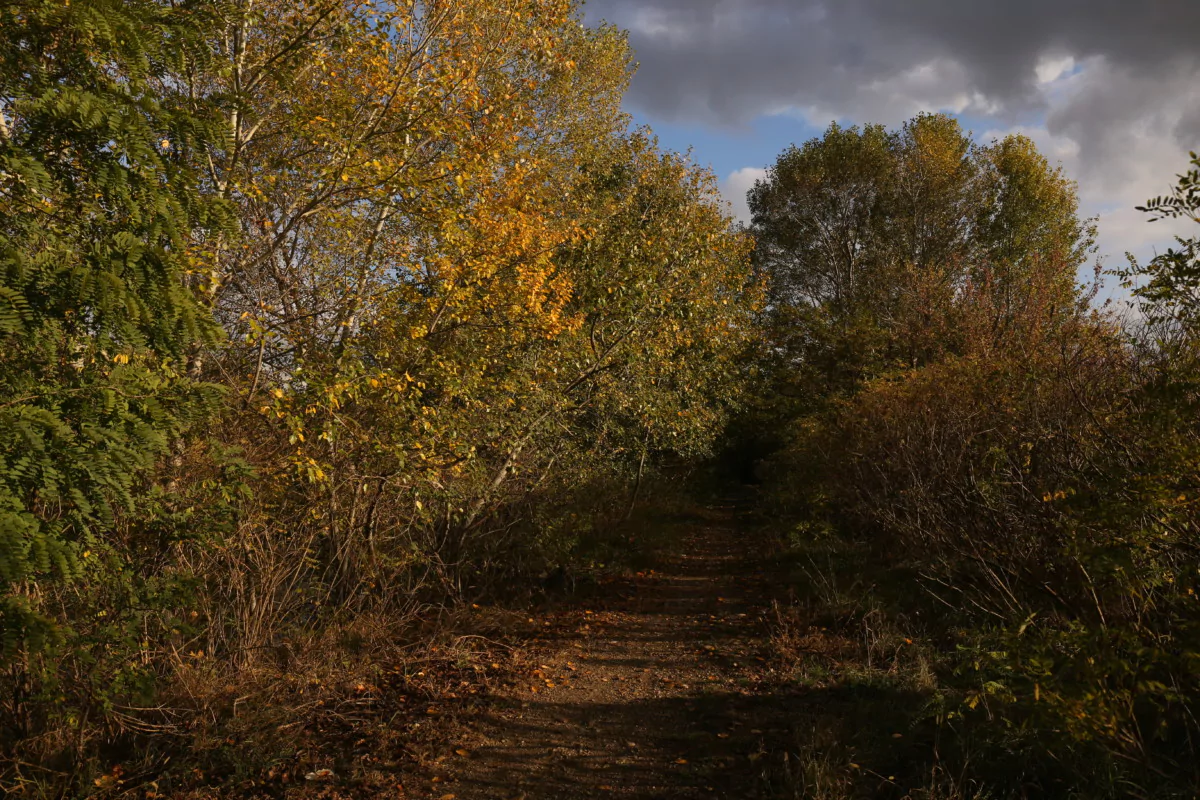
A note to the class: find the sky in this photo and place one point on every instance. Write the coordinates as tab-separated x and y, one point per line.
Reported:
1108	88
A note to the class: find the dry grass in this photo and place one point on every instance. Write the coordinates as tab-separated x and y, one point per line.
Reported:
355	699
868	730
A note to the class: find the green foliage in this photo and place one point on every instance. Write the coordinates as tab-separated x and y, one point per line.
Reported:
868	235
1169	286
1014	466
315	312
98	211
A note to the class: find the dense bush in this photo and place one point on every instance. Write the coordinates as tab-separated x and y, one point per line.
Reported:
1024	478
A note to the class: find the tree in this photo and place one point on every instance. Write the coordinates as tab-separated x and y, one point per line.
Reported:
441	311
867	237
1170	292
101	225
413	341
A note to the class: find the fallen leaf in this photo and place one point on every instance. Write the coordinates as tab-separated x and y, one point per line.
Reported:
464	753
320	775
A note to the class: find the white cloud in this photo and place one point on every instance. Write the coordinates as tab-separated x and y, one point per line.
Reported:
937	85
1050	68
734	188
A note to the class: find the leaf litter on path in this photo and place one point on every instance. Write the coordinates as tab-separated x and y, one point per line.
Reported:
678	672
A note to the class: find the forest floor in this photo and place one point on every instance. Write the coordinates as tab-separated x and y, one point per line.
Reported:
657	684
688	672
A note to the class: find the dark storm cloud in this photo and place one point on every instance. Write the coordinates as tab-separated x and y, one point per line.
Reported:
1111	88
721	61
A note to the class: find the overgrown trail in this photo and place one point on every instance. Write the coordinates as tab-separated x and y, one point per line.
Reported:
659	687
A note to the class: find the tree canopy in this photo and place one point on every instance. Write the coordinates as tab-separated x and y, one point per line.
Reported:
869	235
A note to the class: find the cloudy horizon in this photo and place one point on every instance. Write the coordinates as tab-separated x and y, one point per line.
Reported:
1108	88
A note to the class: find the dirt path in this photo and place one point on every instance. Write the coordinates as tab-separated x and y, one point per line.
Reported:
657	687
